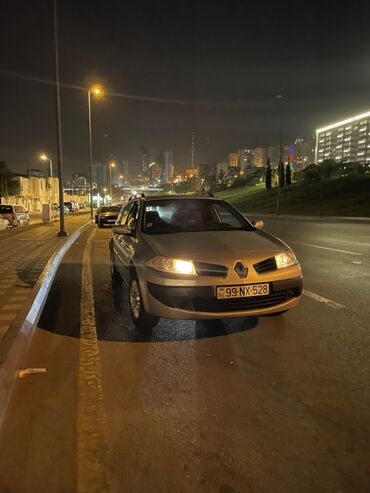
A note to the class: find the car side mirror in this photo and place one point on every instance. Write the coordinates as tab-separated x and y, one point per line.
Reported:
257	223
131	224
122	230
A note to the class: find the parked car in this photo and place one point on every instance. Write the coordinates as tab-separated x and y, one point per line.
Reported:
107	215
4	223
72	206
15	214
200	258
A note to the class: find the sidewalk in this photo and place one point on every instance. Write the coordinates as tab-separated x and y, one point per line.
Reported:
24	254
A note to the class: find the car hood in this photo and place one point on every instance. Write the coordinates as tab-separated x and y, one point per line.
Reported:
208	246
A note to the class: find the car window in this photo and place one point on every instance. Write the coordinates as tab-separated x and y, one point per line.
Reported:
6	209
133	214
122	218
17	209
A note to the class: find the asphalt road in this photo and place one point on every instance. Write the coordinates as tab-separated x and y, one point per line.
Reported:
245	405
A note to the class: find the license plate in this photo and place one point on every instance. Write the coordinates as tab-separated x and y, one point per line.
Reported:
111	220
243	291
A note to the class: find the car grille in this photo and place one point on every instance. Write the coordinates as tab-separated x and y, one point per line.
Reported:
110	217
203	299
204	269
265	265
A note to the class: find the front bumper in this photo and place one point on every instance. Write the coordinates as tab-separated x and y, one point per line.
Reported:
200	302
108	220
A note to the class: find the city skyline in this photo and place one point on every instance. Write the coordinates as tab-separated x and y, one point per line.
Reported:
164	82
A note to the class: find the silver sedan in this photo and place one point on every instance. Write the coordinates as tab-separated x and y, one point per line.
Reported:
199	258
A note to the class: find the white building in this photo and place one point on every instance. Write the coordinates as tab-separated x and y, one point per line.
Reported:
345	141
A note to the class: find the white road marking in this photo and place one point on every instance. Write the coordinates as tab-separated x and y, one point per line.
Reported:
91	445
357	262
324	248
321	299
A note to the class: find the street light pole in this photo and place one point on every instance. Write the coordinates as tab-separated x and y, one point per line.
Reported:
98	92
90	152
62	231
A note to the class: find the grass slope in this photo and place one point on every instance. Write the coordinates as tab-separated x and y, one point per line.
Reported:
349	196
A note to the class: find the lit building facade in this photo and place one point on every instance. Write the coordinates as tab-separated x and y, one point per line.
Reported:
345	141
260	157
167	165
245	157
233	159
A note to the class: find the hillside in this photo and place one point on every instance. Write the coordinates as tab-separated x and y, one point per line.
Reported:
348	196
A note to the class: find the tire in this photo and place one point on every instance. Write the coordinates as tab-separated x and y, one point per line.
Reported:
100	225
18	224
143	320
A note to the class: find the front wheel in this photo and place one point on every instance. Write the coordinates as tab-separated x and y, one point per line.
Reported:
100	225
140	317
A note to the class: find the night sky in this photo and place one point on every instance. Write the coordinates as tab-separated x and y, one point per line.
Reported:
223	64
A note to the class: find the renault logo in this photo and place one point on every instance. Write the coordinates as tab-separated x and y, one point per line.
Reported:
241	269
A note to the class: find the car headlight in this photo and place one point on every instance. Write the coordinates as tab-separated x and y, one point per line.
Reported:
285	259
172	265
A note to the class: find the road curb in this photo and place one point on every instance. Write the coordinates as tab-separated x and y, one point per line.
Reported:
344	219
20	332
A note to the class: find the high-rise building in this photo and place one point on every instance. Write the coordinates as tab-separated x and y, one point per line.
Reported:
245	157
167	163
233	159
144	161
155	173
100	175
345	140
260	156
206	170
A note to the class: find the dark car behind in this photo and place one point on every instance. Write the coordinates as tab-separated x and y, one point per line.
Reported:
107	215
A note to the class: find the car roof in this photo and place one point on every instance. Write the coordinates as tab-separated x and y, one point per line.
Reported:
178	197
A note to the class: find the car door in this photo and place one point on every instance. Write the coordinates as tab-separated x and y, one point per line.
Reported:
126	244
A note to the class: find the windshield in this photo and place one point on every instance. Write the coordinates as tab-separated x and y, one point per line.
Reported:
186	215
6	209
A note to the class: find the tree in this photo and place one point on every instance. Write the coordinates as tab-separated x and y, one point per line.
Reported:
288	175
281	174
268	174
221	175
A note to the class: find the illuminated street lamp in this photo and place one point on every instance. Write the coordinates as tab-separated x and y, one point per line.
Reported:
44	157
111	165
98	92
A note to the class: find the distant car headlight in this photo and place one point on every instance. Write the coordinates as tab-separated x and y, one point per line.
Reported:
172	265
285	259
